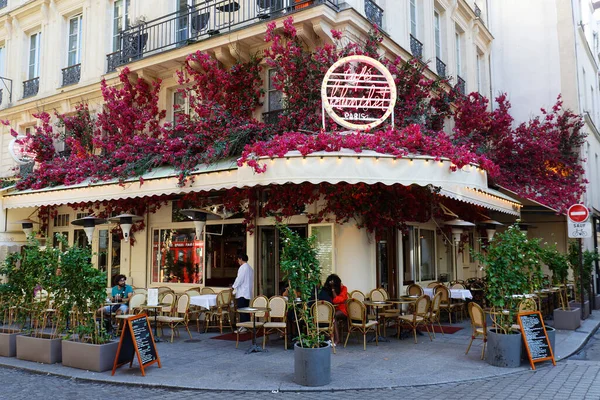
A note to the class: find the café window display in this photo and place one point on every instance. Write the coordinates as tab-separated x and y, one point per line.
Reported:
177	257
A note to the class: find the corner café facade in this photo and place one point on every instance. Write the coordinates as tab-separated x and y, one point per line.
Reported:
167	252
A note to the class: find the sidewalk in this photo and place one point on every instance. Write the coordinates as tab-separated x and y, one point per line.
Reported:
217	365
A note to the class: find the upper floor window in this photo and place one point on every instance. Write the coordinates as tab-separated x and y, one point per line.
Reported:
74	56
438	34
413	18
275	96
181	105
120	21
34	55
458	40
479	71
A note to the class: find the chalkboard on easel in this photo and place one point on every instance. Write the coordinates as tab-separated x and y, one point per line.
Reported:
136	340
535	337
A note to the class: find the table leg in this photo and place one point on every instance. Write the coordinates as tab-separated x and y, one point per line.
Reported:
377	335
254	348
156	338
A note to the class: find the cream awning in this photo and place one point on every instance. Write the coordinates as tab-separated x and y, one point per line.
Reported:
467	184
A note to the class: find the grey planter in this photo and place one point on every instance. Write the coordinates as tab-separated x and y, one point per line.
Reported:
8	343
552	338
503	350
312	367
597	302
42	350
567	319
586	307
91	357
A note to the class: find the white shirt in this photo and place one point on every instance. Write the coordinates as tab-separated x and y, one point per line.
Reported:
244	283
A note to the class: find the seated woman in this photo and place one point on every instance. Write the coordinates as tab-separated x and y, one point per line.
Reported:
339	295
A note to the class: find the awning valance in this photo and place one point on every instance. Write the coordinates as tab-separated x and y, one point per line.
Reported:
467	184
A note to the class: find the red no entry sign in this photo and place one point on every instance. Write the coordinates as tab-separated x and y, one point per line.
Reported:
578	213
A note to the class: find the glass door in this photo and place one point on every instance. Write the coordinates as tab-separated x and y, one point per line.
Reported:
387	266
109	254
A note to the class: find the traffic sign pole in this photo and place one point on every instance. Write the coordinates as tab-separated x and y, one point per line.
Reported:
582	303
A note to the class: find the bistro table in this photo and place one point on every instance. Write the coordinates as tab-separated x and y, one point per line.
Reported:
204	300
252	311
377	305
459	294
155	308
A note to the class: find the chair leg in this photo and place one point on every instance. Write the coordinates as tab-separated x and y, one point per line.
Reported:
483	350
264	339
188	330
172	332
237	338
377	340
469	348
347	337
365	340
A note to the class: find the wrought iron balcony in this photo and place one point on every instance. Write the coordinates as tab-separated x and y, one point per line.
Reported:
440	67
1	95
271	117
71	75
477	11
3	3
374	13
461	85
416	47
31	87
199	22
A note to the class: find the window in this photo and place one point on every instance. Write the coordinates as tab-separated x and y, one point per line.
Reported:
275	96
479	71
181	105
120	21
413	18
177	257
109	254
437	34
2	61
426	253
61	220
458	53
34	55
324	246
585	93
74	56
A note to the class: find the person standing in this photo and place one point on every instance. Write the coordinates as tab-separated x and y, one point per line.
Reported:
243	286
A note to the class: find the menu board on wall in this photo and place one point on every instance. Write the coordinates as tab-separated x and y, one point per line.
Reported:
136	340
535	337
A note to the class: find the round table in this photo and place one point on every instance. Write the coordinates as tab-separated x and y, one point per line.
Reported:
155	308
252	311
377	305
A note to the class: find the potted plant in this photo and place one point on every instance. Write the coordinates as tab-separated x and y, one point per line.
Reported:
9	315
88	345
35	271
564	316
312	354
586	279
513	268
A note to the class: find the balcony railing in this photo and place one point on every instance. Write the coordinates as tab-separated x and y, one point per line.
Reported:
440	68
374	13
31	87
3	3
461	85
1	95
271	117
416	47
477	11
198	23
71	75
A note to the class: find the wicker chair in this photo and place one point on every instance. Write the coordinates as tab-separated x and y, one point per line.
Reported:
135	307
414	290
420	316
433	284
357	294
258	301
434	313
478	325
357	322
167	302
180	317
207	290
323	314
445	304
219	313
277	319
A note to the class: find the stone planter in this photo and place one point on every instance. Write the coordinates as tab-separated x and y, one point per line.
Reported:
91	357
312	367
8	343
586	307
567	319
503	350
42	350
597	302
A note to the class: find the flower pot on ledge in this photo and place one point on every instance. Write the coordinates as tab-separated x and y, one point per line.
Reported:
567	319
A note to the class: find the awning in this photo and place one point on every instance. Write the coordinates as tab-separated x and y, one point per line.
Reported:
467	184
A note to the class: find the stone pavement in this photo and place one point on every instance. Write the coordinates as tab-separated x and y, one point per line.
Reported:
217	365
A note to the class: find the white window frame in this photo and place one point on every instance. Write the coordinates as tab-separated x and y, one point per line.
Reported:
33	65
417	253
478	66
414	16
271	90
78	37
458	39
119	26
437	33
311	227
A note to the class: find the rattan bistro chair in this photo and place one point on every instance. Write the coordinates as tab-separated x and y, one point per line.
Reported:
434	313
180	317
478	325
323	314
418	317
446	304
258	301
414	290
135	307
357	322
277	319
216	316
357	294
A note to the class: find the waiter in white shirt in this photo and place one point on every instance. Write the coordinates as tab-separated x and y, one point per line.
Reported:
243	286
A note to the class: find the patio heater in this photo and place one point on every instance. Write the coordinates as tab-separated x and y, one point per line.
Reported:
490	227
27	226
89	224
199	218
458	225
126	222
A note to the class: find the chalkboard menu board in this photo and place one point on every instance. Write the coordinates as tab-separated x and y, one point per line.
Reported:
535	337
136	339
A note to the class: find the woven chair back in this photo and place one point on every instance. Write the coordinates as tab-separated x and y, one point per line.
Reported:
527	305
377	295
207	290
422	306
260	301
136	301
435	303
192	292
444	291
458	286
477	315
169	300
227	296
358	295
357	312
278	307
414	290
433	284
322	313
143	291
183	304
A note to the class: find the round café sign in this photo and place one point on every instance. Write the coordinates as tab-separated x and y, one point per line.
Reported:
18	152
358	92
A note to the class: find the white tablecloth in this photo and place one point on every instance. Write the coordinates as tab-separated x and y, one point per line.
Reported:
461	294
204	300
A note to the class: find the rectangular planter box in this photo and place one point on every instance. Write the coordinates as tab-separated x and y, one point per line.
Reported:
567	319
586	307
8	343
42	350
597	302
91	357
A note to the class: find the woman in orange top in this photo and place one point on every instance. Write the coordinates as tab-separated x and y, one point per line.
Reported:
339	295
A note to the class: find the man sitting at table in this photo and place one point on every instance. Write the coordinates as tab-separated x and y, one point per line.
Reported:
121	293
